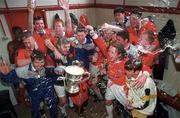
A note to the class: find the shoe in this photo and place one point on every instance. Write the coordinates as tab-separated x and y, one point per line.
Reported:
81	115
64	115
71	107
43	113
43	116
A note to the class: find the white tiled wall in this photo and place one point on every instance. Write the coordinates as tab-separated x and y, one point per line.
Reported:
4	31
120	2
90	12
23	3
157	3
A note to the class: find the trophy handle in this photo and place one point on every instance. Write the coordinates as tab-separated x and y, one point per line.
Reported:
86	75
62	78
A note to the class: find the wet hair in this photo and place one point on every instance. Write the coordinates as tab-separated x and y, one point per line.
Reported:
57	19
150	34
119	10
124	34
134	64
62	41
36	54
78	63
17	30
120	49
92	54
26	34
136	12
81	29
36	18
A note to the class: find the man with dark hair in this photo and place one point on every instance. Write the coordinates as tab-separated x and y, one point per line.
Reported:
141	101
39	84
15	44
85	47
41	34
136	12
122	37
119	17
118	10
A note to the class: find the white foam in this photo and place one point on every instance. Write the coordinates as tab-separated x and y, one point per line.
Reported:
74	70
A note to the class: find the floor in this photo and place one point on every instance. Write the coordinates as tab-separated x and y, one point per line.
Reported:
94	110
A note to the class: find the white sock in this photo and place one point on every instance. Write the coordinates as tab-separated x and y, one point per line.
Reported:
41	104
109	110
63	109
70	102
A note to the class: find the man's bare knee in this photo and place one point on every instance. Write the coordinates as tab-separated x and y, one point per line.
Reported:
62	101
108	102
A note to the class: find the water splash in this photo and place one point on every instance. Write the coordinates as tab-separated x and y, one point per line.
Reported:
169	45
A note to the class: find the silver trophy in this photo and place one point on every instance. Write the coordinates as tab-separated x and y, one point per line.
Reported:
73	75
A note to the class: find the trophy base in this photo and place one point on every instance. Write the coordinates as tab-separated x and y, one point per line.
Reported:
72	89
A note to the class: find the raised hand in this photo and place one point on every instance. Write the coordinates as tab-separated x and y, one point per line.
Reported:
4	68
57	54
129	104
60	69
31	5
64	4
140	81
49	44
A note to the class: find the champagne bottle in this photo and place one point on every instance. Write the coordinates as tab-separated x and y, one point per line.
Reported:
33	2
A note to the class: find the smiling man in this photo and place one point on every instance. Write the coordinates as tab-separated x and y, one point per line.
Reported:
40	86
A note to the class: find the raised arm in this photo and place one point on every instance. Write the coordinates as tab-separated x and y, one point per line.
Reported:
6	74
100	43
49	44
65	5
31	8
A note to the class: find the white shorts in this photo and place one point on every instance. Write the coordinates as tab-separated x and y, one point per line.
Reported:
60	90
116	92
